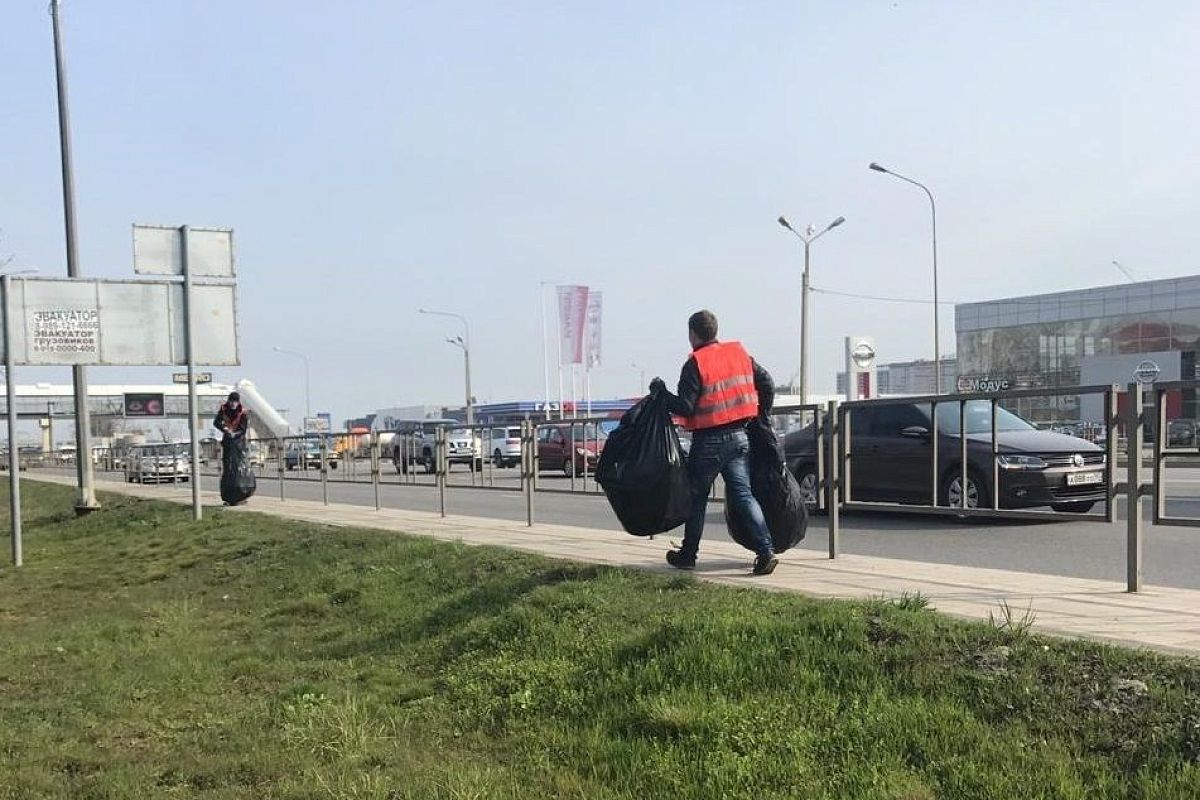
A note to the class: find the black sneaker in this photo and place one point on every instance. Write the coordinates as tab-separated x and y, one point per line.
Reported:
765	565
675	559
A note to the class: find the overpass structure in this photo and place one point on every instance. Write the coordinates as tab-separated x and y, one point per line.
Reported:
53	401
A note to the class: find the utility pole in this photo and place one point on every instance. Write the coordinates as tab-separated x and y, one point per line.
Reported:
85	498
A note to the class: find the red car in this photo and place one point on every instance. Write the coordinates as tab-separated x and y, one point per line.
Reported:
569	448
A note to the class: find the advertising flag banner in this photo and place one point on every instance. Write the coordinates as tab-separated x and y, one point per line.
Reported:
572	320
595	307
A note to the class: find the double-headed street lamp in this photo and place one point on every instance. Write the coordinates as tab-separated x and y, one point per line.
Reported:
808	237
307	385
937	350
463	342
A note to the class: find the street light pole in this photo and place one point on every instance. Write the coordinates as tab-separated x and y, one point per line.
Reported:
85	498
937	350
808	238
307	384
458	342
465	343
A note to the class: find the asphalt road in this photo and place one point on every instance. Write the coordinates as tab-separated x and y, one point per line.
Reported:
1060	547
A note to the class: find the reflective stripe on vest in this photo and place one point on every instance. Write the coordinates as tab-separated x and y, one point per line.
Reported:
727	392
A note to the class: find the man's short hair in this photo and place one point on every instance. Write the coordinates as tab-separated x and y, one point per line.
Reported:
234	396
704	325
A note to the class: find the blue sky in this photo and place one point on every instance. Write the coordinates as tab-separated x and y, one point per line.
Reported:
377	157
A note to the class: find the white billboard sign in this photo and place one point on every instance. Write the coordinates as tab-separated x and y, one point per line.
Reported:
97	322
157	251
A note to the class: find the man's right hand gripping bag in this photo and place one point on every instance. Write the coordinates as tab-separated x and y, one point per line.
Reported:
643	470
775	489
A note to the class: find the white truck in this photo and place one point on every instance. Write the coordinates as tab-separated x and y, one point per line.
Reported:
413	443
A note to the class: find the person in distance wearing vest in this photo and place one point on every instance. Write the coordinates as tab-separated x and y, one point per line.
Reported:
721	388
232	420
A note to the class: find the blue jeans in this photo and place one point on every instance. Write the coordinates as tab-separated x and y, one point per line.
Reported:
724	452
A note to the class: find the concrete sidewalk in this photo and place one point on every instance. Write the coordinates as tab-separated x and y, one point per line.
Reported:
1162	619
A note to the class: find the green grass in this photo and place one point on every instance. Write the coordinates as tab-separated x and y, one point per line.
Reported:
143	655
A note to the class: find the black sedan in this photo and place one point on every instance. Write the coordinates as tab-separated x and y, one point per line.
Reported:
891	459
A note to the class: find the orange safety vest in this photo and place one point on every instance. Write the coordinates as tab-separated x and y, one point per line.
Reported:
727	392
232	423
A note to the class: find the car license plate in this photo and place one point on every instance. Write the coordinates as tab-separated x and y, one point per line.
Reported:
1084	478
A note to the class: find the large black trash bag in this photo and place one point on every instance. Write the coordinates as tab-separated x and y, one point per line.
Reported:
237	475
775	489
643	471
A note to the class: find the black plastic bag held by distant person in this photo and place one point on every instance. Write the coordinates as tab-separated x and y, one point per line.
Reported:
643	472
237	475
775	489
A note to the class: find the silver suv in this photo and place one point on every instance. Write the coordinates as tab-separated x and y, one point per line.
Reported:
506	446
414	443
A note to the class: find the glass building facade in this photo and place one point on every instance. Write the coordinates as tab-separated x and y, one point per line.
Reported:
1074	338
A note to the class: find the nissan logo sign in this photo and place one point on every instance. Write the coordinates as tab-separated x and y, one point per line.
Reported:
863	355
1146	372
1077	460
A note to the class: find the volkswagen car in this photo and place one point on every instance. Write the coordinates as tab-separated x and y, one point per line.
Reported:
891	461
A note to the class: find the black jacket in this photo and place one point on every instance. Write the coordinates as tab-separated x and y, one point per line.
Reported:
683	403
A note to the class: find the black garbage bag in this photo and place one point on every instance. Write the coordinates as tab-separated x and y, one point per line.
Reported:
775	489
643	470
238	482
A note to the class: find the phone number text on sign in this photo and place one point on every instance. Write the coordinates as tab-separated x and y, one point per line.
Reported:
66	331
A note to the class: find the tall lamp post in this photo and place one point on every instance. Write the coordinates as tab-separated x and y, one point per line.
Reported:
85	499
808	237
463	342
307	384
937	350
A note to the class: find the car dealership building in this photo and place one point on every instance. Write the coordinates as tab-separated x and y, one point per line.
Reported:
1087	337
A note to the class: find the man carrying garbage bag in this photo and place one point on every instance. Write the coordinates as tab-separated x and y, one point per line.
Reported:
721	388
237	479
232	420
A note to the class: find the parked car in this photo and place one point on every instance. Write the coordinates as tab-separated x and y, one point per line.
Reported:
21	462
891	448
158	463
570	448
1181	433
415	442
306	455
505	446
464	446
257	454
